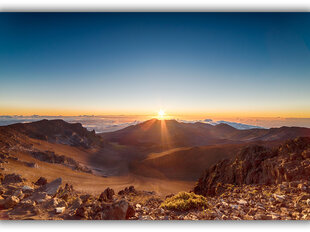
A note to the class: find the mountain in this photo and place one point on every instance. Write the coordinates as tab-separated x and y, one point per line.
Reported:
168	134
259	165
239	126
56	131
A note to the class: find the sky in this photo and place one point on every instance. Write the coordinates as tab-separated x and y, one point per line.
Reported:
199	64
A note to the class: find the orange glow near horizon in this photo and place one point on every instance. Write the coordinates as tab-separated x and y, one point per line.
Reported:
53	111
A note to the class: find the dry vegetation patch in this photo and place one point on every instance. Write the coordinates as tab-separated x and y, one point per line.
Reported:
185	201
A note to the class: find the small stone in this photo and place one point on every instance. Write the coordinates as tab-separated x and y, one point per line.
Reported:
27	188
242	202
60	210
279	197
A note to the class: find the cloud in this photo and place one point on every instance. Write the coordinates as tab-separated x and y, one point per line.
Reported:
98	123
208	120
239	126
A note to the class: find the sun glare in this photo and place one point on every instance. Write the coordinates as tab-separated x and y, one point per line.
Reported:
161	114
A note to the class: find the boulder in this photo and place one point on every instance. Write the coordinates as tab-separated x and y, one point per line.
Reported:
41	181
52	188
128	190
120	210
107	195
39	197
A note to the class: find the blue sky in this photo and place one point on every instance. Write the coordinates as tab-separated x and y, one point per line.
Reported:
229	64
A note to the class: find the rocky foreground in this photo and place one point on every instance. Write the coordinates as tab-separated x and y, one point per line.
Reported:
258	184
41	200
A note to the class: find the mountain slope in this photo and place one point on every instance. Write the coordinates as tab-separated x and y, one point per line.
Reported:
56	131
185	163
259	165
168	134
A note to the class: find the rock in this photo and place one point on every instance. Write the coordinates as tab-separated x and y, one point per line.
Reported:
258	165
27	188
120	210
9	202
130	212
262	217
107	195
248	217
234	206
242	202
76	203
52	188
60	210
85	197
39	197
303	197
82	212
56	202
131	189
302	187
41	181
127	190
27	203
279	197
19	193
12	178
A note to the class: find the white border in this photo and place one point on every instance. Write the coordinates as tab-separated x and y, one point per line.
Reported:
154	5
150	6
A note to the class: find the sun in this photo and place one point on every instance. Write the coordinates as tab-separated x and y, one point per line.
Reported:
161	114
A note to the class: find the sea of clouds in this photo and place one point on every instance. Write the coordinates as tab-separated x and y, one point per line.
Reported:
116	122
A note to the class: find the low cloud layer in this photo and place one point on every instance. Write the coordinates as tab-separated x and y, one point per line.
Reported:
112	123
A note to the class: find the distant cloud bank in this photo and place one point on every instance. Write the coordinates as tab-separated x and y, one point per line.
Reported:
236	125
97	123
112	123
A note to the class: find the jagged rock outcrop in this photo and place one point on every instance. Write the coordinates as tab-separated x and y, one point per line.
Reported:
259	165
51	157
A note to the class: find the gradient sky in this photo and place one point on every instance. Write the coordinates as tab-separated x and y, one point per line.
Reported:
217	64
